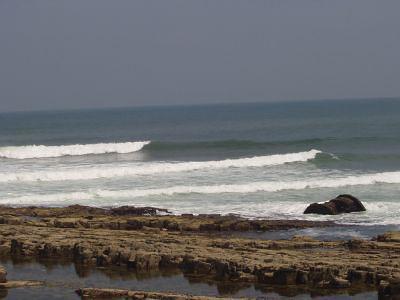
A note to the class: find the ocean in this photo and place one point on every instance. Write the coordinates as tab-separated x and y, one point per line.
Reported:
255	160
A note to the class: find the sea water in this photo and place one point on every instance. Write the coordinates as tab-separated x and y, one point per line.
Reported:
256	160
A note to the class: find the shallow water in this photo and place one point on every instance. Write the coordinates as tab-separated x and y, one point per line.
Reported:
344	232
62	279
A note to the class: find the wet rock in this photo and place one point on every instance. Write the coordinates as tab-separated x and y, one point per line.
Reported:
16	247
172	225
339	283
187	215
357	276
244	277
389	290
222	269
134	224
193	266
93	293
302	277
341	204
136	211
242	226
355	244
171	261
106	242
285	276
20	283
83	254
4	249
265	277
66	223
317	275
146	261
103	260
3	274
210	227
391	237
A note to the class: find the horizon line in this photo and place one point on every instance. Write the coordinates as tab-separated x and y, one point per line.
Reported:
196	104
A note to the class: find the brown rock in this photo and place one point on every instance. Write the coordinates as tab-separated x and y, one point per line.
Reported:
147	261
286	276
3	274
357	276
300	260
93	293
389	290
20	283
193	266
136	211
339	283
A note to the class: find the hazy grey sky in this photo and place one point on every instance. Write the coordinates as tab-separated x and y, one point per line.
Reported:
99	53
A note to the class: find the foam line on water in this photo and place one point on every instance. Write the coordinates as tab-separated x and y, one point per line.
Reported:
42	151
253	187
89	173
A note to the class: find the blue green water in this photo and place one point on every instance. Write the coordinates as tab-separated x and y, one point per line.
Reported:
257	160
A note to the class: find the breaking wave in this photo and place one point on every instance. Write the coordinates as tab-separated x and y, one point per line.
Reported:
264	186
156	168
41	151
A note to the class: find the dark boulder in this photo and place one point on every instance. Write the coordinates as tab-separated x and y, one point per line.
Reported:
136	211
341	204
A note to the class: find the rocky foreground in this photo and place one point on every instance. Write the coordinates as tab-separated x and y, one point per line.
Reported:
138	239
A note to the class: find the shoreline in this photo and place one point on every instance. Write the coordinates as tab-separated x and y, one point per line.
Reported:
140	240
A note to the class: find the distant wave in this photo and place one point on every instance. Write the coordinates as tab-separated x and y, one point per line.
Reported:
253	187
41	151
251	144
156	168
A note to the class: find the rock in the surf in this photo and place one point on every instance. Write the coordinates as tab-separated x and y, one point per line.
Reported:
341	204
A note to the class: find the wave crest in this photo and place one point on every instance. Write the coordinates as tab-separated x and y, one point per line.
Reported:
156	168
42	151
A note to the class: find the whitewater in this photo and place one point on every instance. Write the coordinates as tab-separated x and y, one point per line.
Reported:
42	151
253	187
188	198
91	173
228	184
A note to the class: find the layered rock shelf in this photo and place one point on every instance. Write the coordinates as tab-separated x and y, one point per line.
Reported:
148	242
132	218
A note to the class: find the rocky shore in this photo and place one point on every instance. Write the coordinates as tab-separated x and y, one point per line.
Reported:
92	293
139	218
140	240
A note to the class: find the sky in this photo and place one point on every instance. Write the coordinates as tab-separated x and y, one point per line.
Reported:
61	54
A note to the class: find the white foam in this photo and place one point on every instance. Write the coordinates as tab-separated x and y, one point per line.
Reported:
41	151
156	168
253	187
